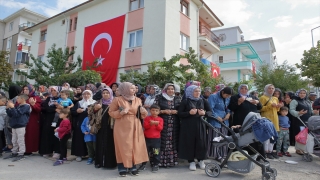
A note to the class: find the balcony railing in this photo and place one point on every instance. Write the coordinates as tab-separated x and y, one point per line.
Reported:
204	31
25	25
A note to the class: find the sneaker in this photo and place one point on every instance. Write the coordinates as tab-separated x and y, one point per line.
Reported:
18	158
269	156
155	169
46	155
192	166
275	155
202	165
11	156
56	156
135	173
6	149
58	162
123	174
279	154
90	161
142	167
287	154
79	159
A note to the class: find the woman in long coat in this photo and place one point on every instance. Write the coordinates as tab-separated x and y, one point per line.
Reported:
169	104
193	144
129	139
33	128
79	113
48	142
105	151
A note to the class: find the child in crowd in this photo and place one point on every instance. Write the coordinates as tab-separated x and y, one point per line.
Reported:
64	133
153	126
90	139
19	118
63	101
284	125
3	116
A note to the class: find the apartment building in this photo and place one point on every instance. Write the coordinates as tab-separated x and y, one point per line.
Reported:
16	41
152	30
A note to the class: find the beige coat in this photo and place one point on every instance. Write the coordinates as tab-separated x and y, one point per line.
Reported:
129	140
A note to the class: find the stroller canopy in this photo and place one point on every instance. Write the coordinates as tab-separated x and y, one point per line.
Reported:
250	119
314	123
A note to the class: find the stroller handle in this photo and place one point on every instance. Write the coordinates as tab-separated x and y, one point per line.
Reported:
233	134
302	122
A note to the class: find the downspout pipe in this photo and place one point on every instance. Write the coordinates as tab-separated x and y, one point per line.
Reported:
198	32
66	35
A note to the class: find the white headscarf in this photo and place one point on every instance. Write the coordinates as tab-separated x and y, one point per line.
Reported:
266	90
164	92
85	103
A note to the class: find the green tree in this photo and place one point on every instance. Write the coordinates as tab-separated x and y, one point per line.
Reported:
283	76
58	64
80	78
5	71
310	64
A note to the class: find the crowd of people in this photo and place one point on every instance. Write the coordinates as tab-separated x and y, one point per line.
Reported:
125	126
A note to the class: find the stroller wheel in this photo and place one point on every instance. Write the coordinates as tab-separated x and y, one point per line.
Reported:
268	176
213	169
307	157
274	172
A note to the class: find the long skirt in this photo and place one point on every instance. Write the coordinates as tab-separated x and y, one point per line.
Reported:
214	152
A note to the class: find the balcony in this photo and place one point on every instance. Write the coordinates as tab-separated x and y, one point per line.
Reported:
209	40
24	26
234	65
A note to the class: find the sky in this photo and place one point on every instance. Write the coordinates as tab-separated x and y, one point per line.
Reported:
288	22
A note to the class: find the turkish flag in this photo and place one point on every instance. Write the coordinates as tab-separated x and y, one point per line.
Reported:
20	47
215	70
103	41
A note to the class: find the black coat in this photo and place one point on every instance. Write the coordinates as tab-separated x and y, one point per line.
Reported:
241	111
193	141
78	147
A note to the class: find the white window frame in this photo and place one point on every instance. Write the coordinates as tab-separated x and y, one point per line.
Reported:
45	35
184	5
15	75
8	58
187	38
138	6
135	38
11	26
41	57
9	43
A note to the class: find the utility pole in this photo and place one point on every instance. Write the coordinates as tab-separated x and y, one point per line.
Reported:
312	35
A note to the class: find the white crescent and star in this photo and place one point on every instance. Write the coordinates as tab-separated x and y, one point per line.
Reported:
98	38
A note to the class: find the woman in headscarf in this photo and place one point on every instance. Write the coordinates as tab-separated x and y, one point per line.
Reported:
78	96
98	95
300	107
14	91
289	96
105	155
33	127
114	86
193	142
129	141
154	90
242	104
169	105
91	87
147	93
79	113
270	108
218	88
278	94
189	83
42	89
219	105
48	142
139	93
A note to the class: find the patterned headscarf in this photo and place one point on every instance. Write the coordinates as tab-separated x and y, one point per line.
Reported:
43	89
102	87
124	90
164	92
219	87
108	101
189	83
243	85
92	87
32	91
298	91
67	84
85	103
156	91
189	92
266	90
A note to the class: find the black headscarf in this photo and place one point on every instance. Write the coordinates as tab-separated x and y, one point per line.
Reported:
14	90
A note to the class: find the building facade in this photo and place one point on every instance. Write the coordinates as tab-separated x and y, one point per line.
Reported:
16	41
153	30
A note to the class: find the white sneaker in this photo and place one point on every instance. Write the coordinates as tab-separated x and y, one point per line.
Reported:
78	159
202	165
56	155
192	166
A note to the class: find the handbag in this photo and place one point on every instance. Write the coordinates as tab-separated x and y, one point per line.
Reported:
302	137
93	122
138	115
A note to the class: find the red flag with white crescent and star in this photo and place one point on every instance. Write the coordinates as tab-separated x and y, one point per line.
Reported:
215	70
103	41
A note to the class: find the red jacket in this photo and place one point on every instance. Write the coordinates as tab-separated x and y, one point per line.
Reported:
64	128
152	131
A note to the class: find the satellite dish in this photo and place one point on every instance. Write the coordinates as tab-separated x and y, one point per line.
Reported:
222	37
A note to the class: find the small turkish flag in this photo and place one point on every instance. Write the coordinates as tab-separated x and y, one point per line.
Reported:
215	70
20	47
103	41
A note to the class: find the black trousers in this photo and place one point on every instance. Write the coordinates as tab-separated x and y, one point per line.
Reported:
153	147
63	146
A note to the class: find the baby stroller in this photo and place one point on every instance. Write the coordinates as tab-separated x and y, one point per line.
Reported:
313	140
236	142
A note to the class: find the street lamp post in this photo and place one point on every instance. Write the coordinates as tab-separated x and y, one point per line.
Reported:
312	35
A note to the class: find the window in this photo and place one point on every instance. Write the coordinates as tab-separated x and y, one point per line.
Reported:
11	26
135	38
19	77
184	42
75	23
21	58
70	25
220	59
27	42
9	43
41	57
63	22
29	24
43	35
136	4
184	7
8	59
72	50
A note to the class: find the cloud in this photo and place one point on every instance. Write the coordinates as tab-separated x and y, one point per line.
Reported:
234	12
12	4
259	15
282	21
297	3
61	5
309	21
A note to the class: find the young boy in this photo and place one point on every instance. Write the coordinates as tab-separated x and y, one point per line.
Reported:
153	126
284	125
19	117
63	101
3	116
90	139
